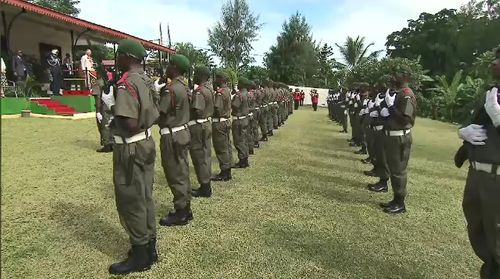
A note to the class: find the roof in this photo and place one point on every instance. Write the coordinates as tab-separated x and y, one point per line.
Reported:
112	33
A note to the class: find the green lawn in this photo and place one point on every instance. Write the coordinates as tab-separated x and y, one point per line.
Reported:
301	211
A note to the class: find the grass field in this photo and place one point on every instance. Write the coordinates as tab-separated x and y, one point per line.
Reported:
301	211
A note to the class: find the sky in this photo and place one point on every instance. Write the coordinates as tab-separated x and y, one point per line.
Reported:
331	20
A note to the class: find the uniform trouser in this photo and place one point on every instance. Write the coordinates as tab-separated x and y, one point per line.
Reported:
354	118
263	121
275	116
250	136
481	207
200	150
174	159
104	130
240	137
343	118
315	106
270	117
330	111
381	166
290	107
221	137
397	152
133	175
370	140
255	125
279	113
361	132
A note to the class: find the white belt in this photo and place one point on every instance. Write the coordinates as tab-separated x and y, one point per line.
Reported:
399	133
250	114
270	104
222	119
166	131
378	128
489	168
256	108
198	121
135	138
264	106
342	106
239	117
275	103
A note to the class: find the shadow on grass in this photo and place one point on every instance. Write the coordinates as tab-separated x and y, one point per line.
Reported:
333	255
87	144
103	236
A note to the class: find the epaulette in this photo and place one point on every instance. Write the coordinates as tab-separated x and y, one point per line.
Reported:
124	84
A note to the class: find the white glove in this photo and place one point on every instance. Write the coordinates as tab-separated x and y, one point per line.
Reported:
374	114
385	112
159	86
371	104
378	100
474	134
492	107
389	100
109	99
358	98
99	117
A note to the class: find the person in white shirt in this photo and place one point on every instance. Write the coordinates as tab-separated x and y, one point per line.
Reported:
87	64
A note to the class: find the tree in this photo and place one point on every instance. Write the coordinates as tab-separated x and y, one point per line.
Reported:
354	52
256	73
447	92
294	57
197	57
231	38
64	6
326	65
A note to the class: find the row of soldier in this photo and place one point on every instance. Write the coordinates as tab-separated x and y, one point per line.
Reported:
190	121
381	125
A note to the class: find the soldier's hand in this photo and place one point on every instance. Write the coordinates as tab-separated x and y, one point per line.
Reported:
158	86
374	114
99	117
385	112
389	100
378	100
474	134
492	106
109	99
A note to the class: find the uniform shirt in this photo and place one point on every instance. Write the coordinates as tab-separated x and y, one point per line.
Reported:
202	104
174	104
251	100
265	95
134	100
239	103
222	103
490	152
403	112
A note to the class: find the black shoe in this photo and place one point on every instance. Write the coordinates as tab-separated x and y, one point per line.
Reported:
366	161
205	191
256	144
270	134
360	152
395	208
106	149
371	173
264	138
242	164
384	205
138	261
180	217
153	254
378	187
224	175
251	152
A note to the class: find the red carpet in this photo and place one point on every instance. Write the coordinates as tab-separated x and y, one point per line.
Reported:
57	107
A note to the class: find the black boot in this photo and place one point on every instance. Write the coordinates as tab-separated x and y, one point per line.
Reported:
106	149
371	173
361	152
180	217
270	134
378	187
138	261
264	138
256	144
224	175
153	254
205	191
242	164
395	208
251	152
366	161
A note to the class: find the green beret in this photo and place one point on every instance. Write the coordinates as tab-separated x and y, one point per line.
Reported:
221	74
244	82
202	71
132	48
253	85
181	62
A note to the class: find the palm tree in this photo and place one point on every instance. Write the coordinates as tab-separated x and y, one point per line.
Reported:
354	52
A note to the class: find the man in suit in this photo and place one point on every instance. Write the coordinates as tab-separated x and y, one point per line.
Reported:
19	67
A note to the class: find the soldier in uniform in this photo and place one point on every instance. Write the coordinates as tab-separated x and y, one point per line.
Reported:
251	120
103	117
343	110
263	111
134	156
239	106
400	113
481	202
362	103
175	139
200	148
274	107
270	107
221	126
256	111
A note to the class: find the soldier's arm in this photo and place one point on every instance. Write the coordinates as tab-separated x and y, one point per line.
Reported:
403	110
165	103
236	102
198	103
126	111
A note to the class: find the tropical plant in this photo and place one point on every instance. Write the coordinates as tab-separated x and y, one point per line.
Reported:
354	51
447	92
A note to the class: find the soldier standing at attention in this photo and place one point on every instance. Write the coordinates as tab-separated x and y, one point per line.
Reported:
103	117
239	106
256	112
175	139
343	111
221	126
400	112
134	156
481	203
302	97
274	92
263	117
202	107
270	107
251	120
